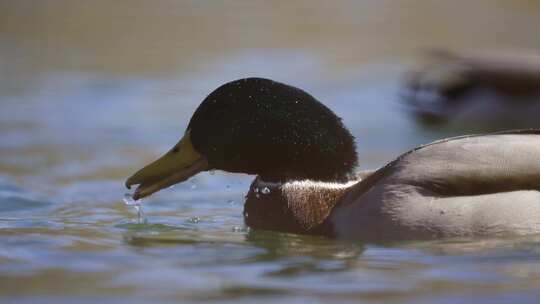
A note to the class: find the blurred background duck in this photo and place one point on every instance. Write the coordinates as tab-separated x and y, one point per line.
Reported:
306	181
482	91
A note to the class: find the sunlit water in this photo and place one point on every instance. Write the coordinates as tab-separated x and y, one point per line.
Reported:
69	139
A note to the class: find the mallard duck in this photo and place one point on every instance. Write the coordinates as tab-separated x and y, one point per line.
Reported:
478	90
304	160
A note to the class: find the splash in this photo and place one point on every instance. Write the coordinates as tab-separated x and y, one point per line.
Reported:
128	200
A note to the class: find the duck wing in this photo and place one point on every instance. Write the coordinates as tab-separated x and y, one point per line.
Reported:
456	186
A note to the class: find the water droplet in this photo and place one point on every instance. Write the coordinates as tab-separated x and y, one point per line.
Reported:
195	219
256	190
265	190
193	186
128	200
237	229
230	202
257	195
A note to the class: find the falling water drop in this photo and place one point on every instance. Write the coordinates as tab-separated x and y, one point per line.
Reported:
195	219
128	200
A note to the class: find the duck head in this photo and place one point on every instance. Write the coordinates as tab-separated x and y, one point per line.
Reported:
256	126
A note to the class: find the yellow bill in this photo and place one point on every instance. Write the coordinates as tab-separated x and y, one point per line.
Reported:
177	165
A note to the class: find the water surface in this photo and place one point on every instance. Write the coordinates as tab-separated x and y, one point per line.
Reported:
91	91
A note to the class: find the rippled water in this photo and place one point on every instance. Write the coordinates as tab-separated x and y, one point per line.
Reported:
73	129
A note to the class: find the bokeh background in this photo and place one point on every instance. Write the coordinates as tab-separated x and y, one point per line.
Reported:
92	90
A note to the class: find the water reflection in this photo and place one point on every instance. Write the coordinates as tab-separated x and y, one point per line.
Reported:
91	90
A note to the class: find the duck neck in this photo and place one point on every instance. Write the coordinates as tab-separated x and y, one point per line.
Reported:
295	206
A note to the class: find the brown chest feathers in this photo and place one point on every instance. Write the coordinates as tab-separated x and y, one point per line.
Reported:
297	207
